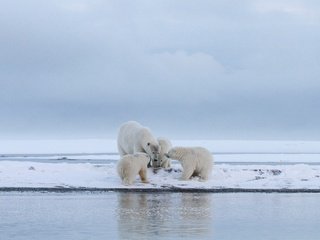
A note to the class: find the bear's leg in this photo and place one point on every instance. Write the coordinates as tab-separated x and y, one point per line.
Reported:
204	175
127	181
187	173
128	176
163	164
168	163
121	151
143	175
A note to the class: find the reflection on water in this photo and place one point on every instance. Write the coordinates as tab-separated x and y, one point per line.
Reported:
165	215
159	216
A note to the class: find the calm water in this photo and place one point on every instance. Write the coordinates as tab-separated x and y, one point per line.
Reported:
159	216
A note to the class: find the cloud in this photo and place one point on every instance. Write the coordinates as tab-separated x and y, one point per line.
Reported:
306	11
75	6
228	67
180	61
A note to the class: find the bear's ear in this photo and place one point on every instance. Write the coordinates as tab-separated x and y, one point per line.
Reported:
148	144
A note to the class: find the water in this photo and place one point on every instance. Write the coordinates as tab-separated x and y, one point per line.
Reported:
159	216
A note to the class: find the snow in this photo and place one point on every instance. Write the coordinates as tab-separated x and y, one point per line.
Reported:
92	164
87	175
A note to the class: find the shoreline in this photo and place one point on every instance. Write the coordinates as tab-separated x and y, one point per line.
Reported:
155	190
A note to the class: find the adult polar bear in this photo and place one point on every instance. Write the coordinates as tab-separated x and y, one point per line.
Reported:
134	138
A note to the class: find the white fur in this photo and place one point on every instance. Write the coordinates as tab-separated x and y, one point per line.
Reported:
131	165
165	146
196	161
134	138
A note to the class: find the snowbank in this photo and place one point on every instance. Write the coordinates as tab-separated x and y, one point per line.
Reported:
91	163
87	175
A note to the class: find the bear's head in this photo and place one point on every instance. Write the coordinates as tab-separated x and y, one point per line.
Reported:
154	152
174	153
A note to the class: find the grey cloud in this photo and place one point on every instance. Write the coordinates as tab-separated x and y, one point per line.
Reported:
198	69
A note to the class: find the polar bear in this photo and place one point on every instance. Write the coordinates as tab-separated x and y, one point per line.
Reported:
134	138
129	166
165	146
195	161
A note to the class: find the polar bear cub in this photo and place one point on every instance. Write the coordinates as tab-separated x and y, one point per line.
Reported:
165	146
195	161
129	166
134	138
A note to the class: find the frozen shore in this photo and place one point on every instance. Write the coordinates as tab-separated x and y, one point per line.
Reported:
85	165
19	174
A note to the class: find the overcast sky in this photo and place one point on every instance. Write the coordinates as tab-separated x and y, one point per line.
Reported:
187	69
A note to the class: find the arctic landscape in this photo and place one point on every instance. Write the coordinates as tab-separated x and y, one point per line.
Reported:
90	164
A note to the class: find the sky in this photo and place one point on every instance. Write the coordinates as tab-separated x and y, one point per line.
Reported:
186	69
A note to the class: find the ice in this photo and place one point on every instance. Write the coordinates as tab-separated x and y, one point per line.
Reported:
88	175
92	164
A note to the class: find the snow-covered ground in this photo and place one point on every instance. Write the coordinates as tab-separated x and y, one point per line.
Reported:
92	164
35	174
